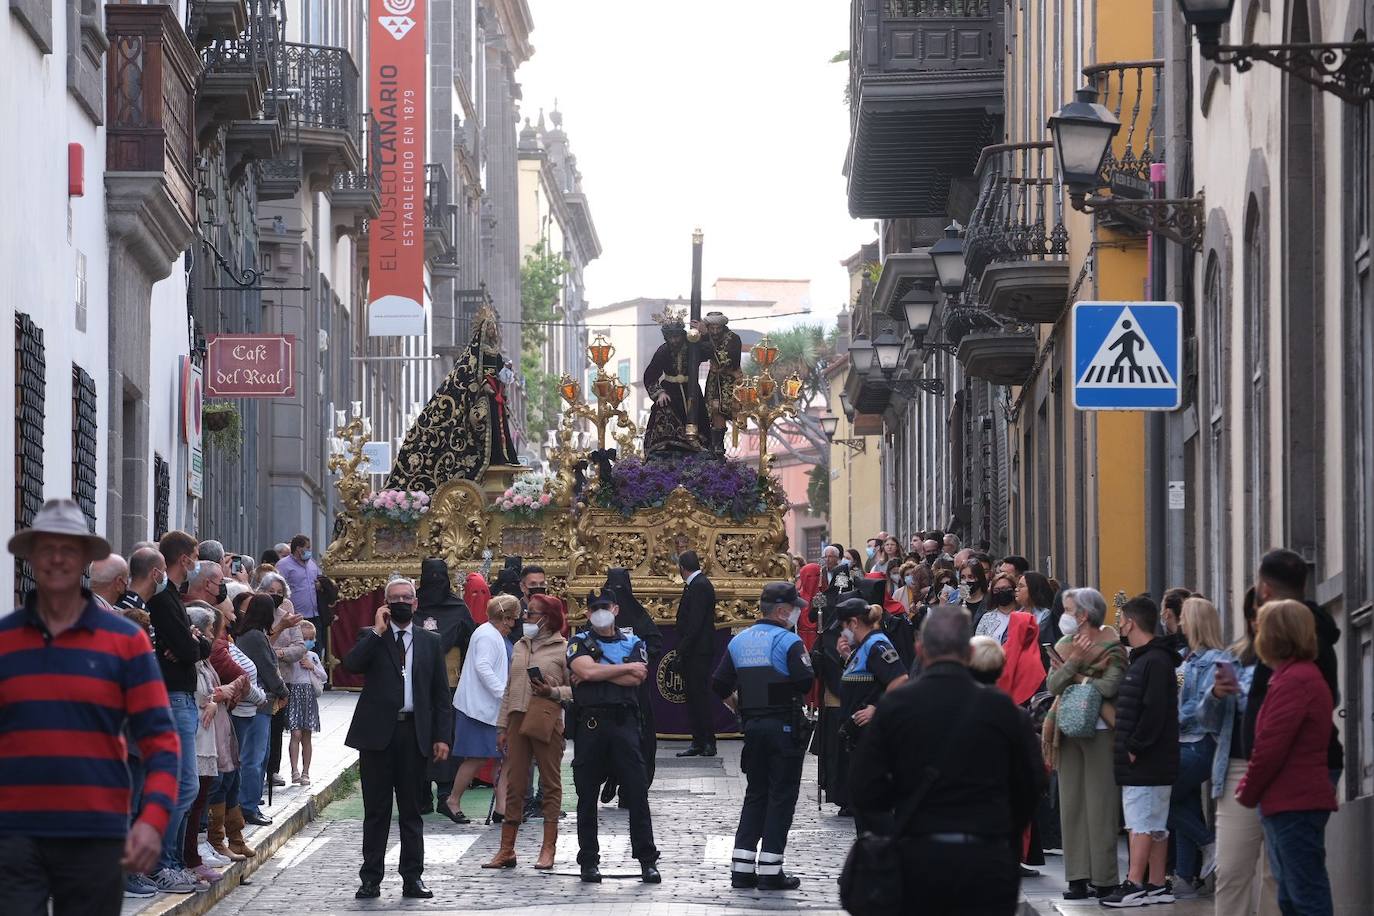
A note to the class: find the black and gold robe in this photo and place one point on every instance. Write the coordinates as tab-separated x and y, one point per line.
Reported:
674	372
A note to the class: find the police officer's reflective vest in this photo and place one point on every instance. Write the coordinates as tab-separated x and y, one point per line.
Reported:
857	669
759	655
617	649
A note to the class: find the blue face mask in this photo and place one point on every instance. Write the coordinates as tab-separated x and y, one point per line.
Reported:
871	551
161	586
310	643
308	555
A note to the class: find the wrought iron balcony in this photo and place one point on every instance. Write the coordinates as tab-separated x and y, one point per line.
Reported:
240	70
320	86
213	19
1016	247
280	179
925	95
355	196
1132	91
150	141
441	217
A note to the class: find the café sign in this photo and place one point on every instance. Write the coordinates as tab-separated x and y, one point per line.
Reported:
250	366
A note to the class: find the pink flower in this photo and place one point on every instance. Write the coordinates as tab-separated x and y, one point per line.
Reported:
507	505
544	500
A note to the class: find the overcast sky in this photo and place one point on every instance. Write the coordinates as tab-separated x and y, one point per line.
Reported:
723	114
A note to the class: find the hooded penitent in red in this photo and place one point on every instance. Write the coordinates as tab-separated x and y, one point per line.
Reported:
477	594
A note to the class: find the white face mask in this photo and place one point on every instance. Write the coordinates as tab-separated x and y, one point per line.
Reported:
531	630
601	618
848	635
793	617
1068	624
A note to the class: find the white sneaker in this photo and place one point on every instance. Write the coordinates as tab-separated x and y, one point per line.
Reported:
199	883
1209	860
210	857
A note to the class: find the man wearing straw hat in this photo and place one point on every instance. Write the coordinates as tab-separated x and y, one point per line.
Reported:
72	675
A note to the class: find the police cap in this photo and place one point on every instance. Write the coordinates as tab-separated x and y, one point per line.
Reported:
605	599
852	607
775	593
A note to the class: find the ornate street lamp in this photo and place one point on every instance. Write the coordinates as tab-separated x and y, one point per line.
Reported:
569	389
948	255
1342	69
861	354
830	424
919	306
792	387
764	353
1083	131
887	346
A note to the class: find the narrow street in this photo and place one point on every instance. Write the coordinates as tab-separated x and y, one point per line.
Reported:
695	804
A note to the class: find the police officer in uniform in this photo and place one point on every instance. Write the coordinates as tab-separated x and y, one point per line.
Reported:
768	668
608	665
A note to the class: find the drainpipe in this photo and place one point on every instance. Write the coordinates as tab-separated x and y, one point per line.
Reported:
1177	281
1156	472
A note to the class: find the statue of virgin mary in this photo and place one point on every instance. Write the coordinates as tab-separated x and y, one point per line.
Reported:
465	427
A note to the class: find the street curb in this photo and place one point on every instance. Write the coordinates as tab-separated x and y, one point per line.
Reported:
265	844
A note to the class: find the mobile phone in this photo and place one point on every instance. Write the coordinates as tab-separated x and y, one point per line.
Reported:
237	565
534	673
1228	668
1049	649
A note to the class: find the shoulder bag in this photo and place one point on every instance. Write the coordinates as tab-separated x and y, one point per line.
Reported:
1080	706
541	719
871	880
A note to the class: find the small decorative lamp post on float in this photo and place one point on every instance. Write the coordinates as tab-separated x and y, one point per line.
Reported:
755	396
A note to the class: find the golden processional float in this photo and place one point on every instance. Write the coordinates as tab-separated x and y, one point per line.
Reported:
457	492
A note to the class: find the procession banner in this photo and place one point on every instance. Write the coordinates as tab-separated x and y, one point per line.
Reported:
396	238
250	366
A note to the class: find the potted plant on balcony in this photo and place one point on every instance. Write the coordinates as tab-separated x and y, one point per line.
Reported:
222	426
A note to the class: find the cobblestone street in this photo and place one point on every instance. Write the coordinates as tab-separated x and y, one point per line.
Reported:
695	804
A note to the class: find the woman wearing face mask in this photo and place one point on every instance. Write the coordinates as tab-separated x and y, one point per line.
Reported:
252	723
288	644
541	646
477	702
1089	799
1017	633
872	667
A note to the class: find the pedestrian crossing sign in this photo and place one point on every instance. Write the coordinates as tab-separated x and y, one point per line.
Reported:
1127	355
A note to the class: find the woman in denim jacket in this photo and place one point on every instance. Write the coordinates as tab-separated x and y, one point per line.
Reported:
1239	834
1201	627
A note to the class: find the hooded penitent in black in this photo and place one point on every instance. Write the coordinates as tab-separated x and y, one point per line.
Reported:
438	601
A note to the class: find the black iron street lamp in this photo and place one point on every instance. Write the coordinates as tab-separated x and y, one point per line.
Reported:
888	348
1082	132
1344	69
919	306
948	255
830	424
861	354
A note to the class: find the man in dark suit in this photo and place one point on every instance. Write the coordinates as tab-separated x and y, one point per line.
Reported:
402	719
972	761
696	644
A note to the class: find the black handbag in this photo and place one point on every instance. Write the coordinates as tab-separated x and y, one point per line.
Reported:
871	880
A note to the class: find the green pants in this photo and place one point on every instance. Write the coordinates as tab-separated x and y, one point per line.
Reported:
1088	808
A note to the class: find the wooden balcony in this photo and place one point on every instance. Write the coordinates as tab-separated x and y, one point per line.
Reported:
150	143
925	96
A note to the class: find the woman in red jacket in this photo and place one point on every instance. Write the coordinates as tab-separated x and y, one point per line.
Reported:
1288	777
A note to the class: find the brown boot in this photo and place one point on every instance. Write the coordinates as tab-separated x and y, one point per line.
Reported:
505	856
233	828
214	834
550	847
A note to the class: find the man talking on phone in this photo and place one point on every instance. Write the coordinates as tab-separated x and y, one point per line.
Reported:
401	722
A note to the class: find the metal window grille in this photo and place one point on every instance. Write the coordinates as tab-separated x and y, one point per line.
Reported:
30	384
84	442
162	496
79	294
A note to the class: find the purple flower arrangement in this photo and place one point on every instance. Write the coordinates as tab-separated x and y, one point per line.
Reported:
725	487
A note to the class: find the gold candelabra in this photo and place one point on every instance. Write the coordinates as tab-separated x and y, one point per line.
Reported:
610	393
758	398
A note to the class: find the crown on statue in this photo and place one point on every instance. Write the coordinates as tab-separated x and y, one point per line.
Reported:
671	321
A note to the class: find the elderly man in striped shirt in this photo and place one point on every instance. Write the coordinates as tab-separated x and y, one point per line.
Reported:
71	676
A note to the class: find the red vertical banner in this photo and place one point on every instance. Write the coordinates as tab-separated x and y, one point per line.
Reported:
396	238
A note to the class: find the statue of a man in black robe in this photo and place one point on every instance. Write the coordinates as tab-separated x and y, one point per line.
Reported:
677	421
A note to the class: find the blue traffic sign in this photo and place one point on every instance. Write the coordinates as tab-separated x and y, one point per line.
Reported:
1127	355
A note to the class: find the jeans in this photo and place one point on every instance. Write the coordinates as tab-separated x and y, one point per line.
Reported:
253	733
1296	843
1185	805
186	718
226	790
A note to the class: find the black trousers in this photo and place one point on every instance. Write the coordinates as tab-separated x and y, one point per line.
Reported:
396	771
943	879
772	764
696	681
607	747
274	743
81	875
